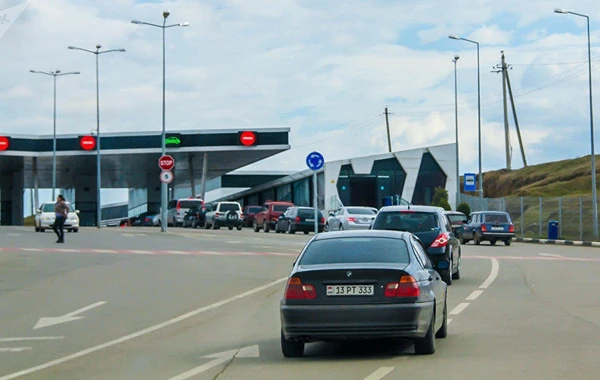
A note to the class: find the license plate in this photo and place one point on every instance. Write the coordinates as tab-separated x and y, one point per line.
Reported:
497	228
310	220
350	290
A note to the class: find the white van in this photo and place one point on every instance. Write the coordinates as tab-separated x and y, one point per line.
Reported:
177	209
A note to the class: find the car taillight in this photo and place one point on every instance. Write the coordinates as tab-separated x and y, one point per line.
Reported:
298	291
441	240
322	220
483	228
178	206
216	214
511	228
241	215
352	219
406	287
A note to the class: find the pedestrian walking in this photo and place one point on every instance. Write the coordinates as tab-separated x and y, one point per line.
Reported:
61	210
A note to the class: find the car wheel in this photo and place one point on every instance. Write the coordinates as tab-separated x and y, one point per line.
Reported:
507	242
266	226
290	230
291	349
476	239
456	275
443	331
206	225
255	226
184	225
463	240
447	274
42	230
277	231
215	225
426	345
492	242
37	229
305	232
230	228
76	230
239	228
326	228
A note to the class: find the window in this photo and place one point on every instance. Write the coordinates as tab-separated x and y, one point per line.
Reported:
496	218
308	212
457	218
351	250
229	207
411	221
189	204
421	255
49	207
360	211
253	210
280	208
172	204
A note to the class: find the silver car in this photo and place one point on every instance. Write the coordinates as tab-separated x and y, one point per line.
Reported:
350	218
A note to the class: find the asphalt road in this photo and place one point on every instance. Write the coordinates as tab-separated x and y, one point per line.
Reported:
132	303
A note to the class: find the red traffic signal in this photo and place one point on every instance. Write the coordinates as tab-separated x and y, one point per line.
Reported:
248	138
87	142
4	143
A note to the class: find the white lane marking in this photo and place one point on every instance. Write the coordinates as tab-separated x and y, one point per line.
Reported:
104	250
448	321
21	339
493	274
31	249
458	309
179	252
69	317
234	242
14	349
66	250
474	295
142	252
145	331
380	373
220	358
13	234
550	255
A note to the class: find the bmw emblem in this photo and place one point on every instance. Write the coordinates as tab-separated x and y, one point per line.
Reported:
348	274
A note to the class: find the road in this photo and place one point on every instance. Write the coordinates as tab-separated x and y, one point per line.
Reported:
132	303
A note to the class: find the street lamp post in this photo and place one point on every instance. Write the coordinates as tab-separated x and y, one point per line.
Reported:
54	74
97	52
163	189
456	57
478	113
594	198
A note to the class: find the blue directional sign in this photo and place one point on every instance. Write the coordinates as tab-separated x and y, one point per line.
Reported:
470	182
315	161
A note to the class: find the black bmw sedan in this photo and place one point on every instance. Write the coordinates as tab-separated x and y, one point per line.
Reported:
363	285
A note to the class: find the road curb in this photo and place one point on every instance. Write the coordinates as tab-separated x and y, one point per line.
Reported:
558	242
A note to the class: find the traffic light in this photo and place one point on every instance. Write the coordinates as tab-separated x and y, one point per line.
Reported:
248	138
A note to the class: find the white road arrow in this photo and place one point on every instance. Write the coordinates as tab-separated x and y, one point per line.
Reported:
220	358
50	321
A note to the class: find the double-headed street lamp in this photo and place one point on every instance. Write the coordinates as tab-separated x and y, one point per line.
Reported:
454	37
98	174
456	57
54	74
163	192
594	199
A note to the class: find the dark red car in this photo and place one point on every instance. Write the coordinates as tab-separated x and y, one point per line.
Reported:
249	213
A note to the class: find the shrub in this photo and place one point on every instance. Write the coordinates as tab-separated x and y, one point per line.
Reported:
464	208
440	198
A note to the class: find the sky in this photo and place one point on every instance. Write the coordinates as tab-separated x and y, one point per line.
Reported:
325	69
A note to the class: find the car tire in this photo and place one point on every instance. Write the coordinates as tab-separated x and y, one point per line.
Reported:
290	230
230	228
443	331
463	240
266	226
476	239
42	230
305	232
456	275
291	349
326	228
239	228
37	229
255	226
215	225
76	230
426	345
507	242
492	242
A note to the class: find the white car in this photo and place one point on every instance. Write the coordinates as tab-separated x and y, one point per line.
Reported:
45	217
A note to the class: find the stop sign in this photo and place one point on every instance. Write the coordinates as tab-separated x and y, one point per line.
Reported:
166	162
87	142
4	143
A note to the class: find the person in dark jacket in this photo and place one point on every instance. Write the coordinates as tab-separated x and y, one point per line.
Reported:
61	210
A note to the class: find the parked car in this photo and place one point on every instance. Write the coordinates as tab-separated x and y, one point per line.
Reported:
432	226
299	219
177	208
457	221
488	225
350	218
45	216
194	218
363	285
143	219
227	214
268	215
249	213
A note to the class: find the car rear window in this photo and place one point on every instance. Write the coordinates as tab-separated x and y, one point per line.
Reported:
189	204
411	221
308	212
229	207
49	207
496	218
253	210
356	250
280	208
457	218
360	211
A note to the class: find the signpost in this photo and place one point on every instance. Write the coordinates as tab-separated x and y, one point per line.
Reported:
166	176
315	162
166	163
470	182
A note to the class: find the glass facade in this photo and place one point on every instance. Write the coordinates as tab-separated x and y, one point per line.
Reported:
284	193
386	179
430	176
301	192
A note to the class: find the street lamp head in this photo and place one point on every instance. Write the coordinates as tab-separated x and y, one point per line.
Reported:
136	22
98	46
166	14
72	47
456	57
184	24
121	50
454	37
32	71
563	11
77	72
57	72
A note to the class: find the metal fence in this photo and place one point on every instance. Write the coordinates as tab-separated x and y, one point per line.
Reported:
531	215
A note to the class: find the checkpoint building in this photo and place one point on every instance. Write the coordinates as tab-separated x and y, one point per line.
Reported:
128	160
411	175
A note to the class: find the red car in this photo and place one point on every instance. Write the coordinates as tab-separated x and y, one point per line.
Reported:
268	215
249	213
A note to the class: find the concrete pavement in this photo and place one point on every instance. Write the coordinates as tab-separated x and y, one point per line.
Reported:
211	310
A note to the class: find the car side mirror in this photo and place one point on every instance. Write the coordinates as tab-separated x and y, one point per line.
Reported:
330	214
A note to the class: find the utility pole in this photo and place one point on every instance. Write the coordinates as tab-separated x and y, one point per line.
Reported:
503	68
387	124
512	103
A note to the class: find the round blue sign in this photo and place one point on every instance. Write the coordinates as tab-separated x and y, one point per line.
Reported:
315	161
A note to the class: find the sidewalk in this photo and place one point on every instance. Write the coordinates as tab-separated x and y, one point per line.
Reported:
558	242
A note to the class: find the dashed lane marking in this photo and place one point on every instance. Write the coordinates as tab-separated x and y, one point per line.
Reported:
14	349
550	255
28	338
380	373
474	295
459	308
